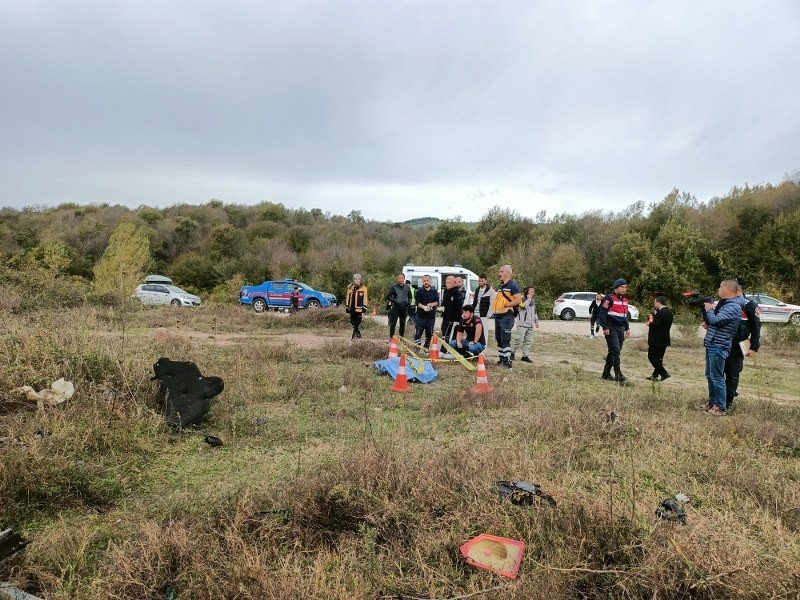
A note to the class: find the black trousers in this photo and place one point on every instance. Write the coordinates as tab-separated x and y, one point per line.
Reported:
448	330
397	316
424	326
733	367
355	321
614	341
592	327
655	354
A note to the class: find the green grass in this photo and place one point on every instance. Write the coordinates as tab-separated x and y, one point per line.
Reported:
380	488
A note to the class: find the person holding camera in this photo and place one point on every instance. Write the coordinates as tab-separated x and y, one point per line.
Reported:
613	319
659	323
748	333
723	321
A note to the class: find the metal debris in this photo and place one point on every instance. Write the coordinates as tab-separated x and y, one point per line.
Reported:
522	493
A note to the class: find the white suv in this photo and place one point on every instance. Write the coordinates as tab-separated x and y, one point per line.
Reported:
576	304
152	294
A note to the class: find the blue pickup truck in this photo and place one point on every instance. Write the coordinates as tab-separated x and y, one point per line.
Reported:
277	295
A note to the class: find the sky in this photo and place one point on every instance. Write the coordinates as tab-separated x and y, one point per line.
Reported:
399	109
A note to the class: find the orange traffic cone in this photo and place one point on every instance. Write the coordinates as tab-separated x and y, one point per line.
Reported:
374	312
400	382
482	384
433	352
393	352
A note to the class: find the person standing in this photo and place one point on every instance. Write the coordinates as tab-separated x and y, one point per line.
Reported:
452	301
356	304
723	321
470	337
296	299
505	308
484	297
427	299
613	318
594	310
749	329
399	299
659	324
527	319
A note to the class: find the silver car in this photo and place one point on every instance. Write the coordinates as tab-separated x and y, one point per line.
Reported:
773	310
570	305
153	294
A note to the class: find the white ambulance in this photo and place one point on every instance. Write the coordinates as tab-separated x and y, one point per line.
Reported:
415	273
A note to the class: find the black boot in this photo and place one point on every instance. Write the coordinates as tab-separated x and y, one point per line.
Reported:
618	376
607	374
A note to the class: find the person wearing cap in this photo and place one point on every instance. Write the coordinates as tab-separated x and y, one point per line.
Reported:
613	319
659	323
470	337
749	329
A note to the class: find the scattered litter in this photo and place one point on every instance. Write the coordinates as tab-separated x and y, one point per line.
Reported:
259	421
213	441
10	441
421	371
11	543
11	592
522	493
281	515
41	433
58	392
343	389
671	510
505	379
184	394
682	498
492	553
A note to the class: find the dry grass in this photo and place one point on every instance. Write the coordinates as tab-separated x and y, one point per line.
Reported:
362	493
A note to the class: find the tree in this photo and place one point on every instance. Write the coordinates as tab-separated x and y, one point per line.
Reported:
356	217
124	262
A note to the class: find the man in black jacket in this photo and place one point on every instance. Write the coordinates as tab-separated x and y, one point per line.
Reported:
660	322
749	329
399	299
452	301
427	299
594	310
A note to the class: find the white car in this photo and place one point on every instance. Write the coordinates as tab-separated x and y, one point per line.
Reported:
573	305
773	310
152	294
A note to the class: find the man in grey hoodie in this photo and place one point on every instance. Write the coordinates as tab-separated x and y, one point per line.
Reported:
527	319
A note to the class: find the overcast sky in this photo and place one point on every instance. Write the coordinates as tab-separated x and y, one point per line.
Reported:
401	108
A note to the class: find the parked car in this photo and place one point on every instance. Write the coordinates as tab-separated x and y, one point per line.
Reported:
774	311
573	305
277	295
152	294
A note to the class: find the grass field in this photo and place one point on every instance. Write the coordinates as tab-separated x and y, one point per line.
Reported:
351	491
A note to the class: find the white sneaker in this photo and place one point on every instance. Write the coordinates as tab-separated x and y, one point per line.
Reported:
447	356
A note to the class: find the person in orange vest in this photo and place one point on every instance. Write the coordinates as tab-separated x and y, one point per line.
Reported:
356	304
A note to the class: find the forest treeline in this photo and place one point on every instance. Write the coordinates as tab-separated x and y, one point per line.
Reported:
52	255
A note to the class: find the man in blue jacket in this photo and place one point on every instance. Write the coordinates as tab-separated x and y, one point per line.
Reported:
427	299
723	321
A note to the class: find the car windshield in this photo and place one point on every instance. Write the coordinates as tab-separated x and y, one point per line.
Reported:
175	289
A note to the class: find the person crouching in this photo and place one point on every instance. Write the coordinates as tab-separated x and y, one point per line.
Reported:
470	337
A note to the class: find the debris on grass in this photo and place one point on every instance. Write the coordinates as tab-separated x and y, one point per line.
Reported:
671	510
523	493
10	543
184	394
213	441
58	392
497	554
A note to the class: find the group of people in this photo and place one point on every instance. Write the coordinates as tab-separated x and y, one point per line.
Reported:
463	325
733	331
732	325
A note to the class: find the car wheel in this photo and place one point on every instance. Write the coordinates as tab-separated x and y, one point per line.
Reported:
312	304
175	302
567	314
259	305
795	319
